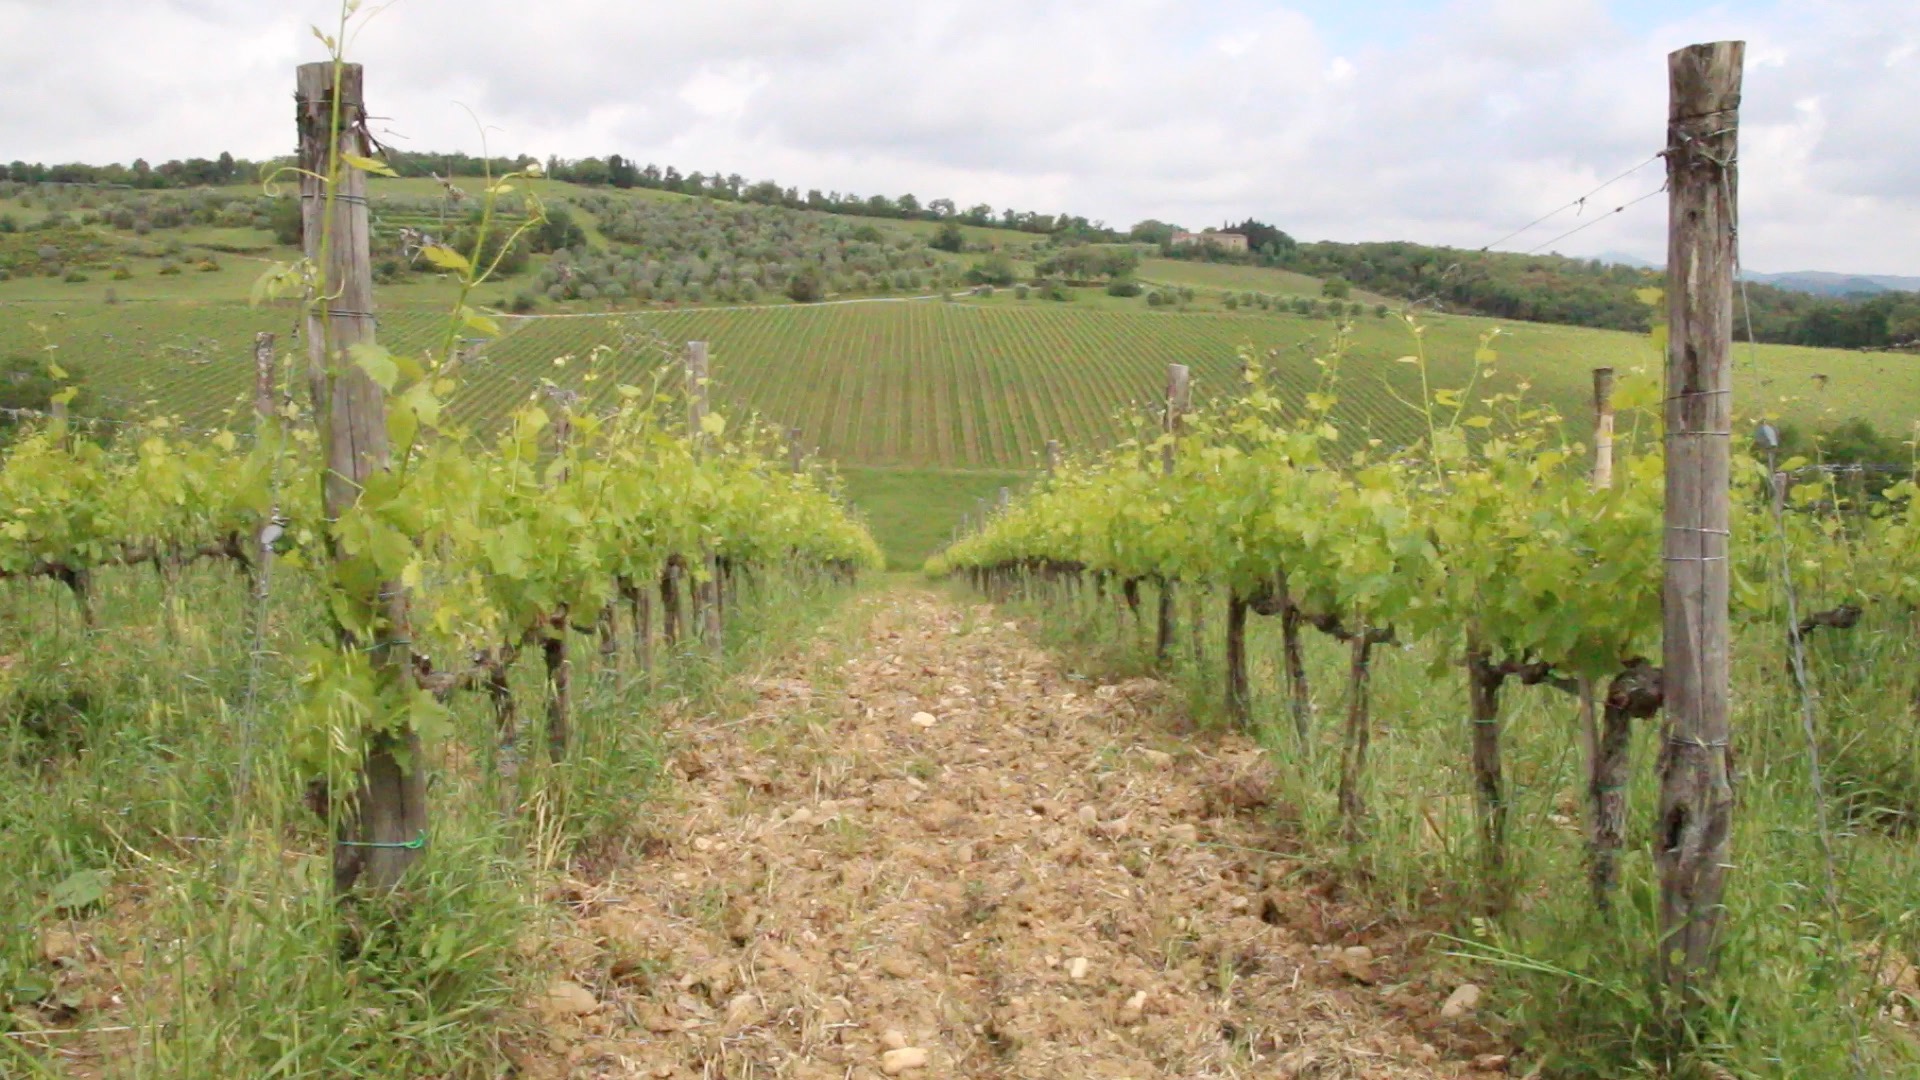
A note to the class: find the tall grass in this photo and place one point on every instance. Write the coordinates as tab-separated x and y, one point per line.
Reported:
201	936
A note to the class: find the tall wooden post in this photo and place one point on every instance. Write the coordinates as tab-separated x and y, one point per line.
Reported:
382	835
1178	396
265	426
1053	456
706	593
1693	834
555	651
796	455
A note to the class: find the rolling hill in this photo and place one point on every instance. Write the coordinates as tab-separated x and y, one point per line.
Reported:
947	401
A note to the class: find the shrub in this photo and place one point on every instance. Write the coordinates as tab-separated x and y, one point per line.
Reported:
1232	302
995	269
287	226
9	223
806	286
75	276
1379	311
523	302
121	272
168	267
111	297
1055	290
207	265
948	238
1156	299
1122	286
1335	288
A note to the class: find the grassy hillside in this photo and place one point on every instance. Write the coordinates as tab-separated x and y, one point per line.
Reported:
1218	276
917	384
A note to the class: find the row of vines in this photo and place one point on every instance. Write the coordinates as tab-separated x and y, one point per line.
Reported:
1490	546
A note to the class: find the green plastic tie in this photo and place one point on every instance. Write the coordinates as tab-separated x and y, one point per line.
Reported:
414	844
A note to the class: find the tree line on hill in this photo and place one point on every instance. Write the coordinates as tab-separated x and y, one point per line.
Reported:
1532	287
193	172
1553	288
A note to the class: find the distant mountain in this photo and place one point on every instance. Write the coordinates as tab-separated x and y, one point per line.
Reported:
1624	259
1817	282
1825	283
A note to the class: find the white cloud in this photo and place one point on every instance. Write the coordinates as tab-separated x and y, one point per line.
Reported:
1460	126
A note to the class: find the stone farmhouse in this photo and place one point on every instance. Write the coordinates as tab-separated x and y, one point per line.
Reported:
1226	241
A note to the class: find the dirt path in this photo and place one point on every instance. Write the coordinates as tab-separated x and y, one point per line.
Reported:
943	857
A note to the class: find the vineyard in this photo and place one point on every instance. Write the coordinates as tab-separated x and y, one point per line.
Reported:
1491	548
465	693
924	383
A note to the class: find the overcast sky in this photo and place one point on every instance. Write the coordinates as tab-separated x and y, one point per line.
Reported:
1443	121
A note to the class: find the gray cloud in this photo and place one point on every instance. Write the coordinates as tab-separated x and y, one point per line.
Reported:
1459	127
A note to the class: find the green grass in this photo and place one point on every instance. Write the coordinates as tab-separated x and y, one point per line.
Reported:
913	512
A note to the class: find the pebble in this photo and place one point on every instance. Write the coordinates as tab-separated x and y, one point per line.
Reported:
897	966
1491	1062
1159	759
1355	962
1089	816
895	1062
57	945
1135	1009
893	1040
924	719
744	1011
570	998
1077	968
1461	1002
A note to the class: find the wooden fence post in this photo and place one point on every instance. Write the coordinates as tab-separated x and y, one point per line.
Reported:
555	649
796	456
265	426
706	593
384	832
1178	396
1053	456
1605	750
1694	829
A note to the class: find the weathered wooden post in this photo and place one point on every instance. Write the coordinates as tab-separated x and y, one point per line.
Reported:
554	645
1178	391
796	455
706	591
1053	456
385	830
1695	826
266	425
1606	736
